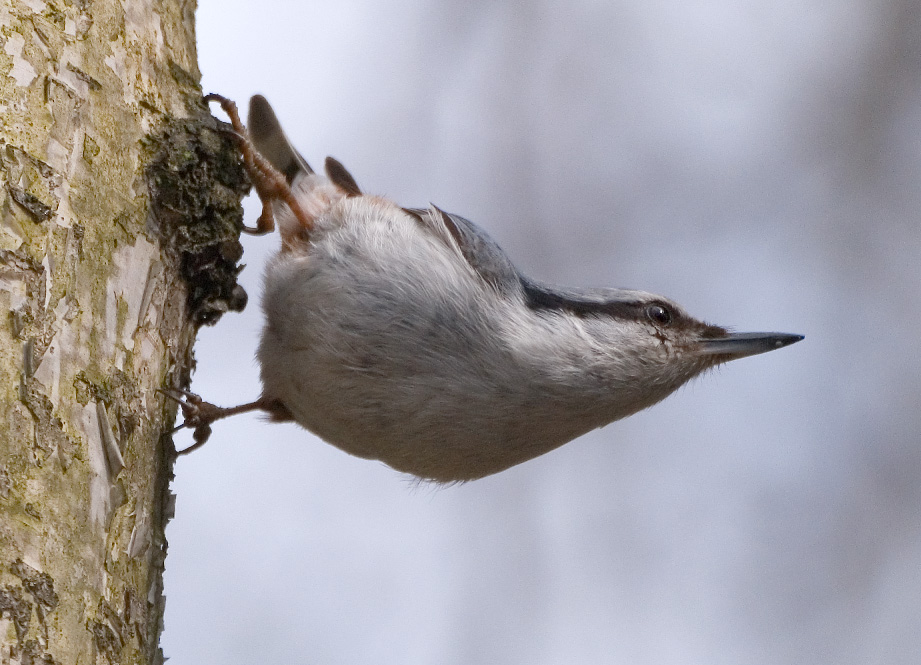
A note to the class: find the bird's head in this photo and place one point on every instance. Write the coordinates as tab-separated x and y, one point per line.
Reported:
637	347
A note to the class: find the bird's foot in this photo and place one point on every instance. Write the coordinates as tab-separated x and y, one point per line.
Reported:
197	416
269	182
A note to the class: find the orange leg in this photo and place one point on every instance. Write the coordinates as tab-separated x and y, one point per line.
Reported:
269	182
198	414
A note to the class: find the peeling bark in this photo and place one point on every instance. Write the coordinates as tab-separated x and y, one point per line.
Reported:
119	225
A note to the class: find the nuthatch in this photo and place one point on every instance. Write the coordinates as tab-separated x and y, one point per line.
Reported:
406	335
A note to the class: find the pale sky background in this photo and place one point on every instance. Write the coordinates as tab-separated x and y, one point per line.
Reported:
759	162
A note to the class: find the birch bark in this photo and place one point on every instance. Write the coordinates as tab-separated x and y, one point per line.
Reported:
119	217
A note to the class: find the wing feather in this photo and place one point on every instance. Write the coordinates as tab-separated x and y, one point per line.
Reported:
480	251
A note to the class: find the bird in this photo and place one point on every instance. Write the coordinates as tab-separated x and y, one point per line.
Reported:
407	335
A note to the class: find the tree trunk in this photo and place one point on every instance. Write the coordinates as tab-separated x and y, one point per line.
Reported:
119	217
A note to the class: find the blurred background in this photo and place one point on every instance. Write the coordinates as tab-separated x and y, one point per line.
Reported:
757	162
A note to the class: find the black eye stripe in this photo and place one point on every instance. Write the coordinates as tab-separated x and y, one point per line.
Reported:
539	299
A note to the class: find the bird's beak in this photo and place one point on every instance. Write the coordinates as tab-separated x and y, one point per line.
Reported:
740	345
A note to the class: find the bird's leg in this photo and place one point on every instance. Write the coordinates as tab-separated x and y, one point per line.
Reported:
198	414
269	182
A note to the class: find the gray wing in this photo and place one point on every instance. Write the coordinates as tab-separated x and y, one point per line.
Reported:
493	265
267	135
479	250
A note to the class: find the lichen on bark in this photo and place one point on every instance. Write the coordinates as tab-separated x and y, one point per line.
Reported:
196	181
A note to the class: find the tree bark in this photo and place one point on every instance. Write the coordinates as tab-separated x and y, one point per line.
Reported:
119	224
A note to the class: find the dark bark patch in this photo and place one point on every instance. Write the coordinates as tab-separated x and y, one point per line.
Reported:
196	183
39	584
17	608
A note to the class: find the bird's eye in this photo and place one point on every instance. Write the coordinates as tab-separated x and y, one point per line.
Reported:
659	315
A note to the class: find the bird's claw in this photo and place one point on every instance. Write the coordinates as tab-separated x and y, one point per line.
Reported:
269	182
197	415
